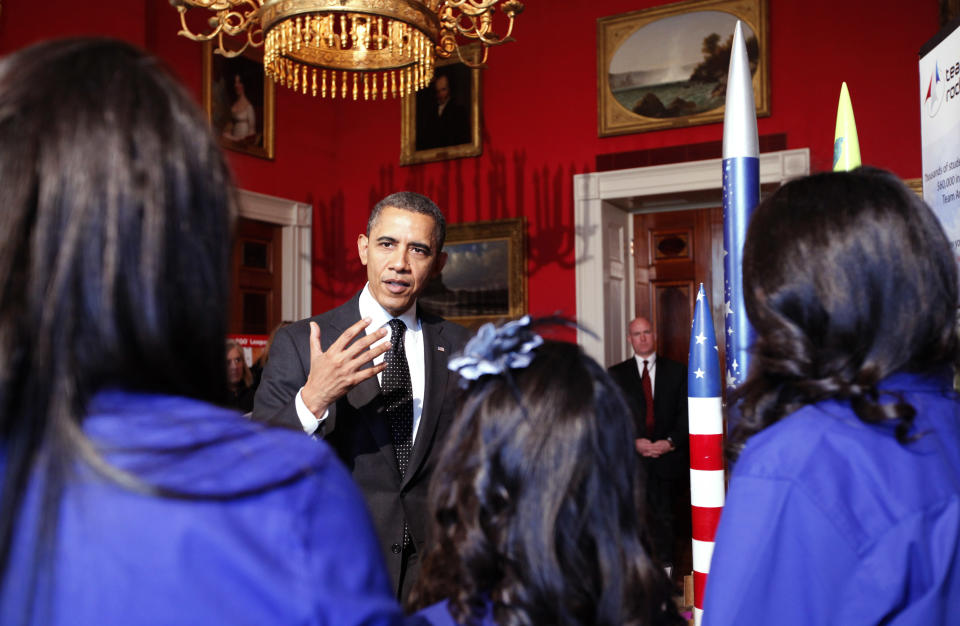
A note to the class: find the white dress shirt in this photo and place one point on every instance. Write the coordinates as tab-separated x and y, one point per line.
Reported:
413	346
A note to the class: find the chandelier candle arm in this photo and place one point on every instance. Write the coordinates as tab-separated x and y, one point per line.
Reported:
393	43
237	19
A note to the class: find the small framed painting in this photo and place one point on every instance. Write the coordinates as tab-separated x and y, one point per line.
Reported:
239	100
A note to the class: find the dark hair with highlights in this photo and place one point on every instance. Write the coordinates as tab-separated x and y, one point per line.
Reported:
848	278
537	503
114	263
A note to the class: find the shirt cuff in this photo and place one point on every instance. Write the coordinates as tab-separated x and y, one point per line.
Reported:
308	420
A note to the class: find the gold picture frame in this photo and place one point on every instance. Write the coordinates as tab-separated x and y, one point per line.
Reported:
643	84
485	277
454	133
915	185
248	126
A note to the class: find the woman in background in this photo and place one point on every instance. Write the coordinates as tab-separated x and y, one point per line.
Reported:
844	505
127	497
241	385
537	501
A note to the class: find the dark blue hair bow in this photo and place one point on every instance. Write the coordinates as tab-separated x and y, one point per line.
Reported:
495	350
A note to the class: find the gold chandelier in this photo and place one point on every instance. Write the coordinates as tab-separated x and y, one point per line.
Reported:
373	48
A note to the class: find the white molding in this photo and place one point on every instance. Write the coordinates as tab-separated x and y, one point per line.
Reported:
296	220
589	268
592	190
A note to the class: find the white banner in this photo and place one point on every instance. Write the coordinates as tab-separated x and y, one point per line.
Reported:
940	130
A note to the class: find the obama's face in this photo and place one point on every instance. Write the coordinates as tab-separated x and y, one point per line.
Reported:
401	257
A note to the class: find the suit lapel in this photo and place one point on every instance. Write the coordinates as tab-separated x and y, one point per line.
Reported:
436	351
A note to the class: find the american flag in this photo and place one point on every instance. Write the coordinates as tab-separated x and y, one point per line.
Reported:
706	444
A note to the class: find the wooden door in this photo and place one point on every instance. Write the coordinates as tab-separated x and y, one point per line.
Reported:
255	300
674	252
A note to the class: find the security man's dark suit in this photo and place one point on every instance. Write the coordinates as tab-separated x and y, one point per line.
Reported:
667	473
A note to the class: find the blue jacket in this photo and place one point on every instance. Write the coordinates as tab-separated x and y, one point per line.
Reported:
299	549
829	520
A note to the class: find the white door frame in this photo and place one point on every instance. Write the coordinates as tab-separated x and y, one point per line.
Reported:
296	221
593	191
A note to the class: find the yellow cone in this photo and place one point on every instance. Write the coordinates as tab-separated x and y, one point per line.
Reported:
846	145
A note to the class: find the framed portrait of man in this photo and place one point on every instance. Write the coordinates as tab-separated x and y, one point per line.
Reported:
442	121
239	101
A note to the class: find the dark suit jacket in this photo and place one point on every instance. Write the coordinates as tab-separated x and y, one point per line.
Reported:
359	431
669	410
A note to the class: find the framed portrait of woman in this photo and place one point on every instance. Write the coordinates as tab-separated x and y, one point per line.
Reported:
239	100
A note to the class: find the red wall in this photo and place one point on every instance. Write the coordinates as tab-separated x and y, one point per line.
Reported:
540	118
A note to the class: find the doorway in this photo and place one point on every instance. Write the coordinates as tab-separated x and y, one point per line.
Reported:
294	219
673	253
604	203
645	238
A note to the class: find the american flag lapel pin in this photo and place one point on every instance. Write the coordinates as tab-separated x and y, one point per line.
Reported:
441	349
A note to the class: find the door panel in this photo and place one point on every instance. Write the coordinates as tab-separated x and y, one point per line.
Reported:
255	299
674	252
616	231
672	301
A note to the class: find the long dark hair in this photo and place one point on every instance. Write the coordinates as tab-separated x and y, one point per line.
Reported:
848	278
537	503
115	259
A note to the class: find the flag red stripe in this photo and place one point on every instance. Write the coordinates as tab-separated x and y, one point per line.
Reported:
705	520
699	584
706	452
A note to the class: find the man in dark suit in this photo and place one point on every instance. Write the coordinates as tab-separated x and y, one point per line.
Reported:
656	389
383	404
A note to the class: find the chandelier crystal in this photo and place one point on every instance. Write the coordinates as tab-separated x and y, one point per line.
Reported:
360	48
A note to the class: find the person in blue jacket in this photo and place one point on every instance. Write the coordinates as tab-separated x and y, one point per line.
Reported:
127	496
844	504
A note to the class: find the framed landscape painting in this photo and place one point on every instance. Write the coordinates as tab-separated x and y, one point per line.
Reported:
666	67
485	277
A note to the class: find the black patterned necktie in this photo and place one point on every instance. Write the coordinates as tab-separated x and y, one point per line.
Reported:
398	395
